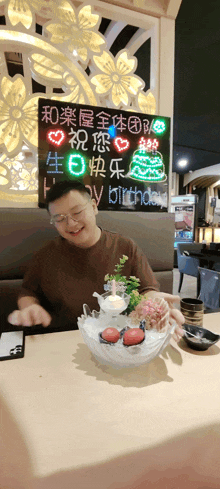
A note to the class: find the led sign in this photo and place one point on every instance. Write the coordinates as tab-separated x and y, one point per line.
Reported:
121	144
56	137
122	157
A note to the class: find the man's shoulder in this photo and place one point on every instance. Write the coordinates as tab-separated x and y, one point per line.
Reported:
49	246
114	237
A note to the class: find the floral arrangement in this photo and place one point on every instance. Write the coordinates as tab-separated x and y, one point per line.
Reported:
130	284
154	311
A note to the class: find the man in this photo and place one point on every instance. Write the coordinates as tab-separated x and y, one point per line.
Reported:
64	274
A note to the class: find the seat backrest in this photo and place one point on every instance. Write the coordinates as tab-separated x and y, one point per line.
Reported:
152	231
210	288
181	247
22	233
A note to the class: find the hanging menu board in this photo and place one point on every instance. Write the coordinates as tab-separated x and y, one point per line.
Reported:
122	157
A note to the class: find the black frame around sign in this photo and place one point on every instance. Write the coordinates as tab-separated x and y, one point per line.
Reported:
113	147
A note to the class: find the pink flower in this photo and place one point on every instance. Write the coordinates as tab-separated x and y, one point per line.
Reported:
153	311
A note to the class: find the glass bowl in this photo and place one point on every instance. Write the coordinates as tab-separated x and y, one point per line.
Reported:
117	355
113	307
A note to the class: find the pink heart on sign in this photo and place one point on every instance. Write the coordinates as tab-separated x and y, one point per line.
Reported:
121	144
56	137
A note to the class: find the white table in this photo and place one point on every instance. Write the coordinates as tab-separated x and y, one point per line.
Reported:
69	423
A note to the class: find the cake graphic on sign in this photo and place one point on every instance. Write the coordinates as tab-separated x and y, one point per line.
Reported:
147	163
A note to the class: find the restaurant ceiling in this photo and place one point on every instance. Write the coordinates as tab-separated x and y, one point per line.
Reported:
157	8
196	87
204	182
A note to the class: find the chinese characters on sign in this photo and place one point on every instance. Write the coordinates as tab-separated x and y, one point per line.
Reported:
122	157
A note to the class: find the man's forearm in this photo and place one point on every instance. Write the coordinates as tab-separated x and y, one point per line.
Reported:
151	294
27	301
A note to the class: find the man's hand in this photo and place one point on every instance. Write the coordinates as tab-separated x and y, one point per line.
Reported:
30	316
175	315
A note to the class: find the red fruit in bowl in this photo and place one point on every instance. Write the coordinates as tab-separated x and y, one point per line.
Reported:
133	336
111	334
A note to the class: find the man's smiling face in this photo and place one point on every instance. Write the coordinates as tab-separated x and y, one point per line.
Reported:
82	232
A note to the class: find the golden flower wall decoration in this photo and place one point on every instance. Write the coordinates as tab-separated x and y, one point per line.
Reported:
22	10
76	30
16	174
18	116
55	61
26	178
147	102
4	171
48	70
117	77
2	63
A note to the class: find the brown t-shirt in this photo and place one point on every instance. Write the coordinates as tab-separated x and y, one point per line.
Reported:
63	276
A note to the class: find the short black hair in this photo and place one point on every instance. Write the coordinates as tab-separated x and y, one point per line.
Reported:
64	187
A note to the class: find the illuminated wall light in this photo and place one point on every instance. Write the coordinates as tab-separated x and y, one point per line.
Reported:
208	235
75	52
76	165
182	163
121	144
56	137
216	235
200	235
158	126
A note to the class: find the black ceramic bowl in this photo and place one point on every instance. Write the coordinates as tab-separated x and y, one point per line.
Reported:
199	338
